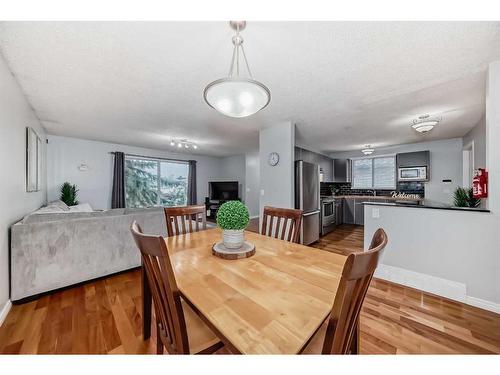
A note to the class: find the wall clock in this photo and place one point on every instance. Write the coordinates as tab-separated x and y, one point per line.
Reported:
273	159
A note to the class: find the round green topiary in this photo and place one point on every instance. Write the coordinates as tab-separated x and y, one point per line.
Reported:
233	215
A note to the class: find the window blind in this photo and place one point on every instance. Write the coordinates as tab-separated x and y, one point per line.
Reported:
374	173
384	172
362	173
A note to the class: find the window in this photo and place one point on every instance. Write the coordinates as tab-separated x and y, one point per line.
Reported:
384	172
374	173
153	182
362	173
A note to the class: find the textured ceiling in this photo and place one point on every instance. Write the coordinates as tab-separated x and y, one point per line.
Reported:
344	84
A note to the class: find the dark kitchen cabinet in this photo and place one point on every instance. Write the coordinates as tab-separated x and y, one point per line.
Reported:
341	170
324	162
359	211
348	211
339	211
413	159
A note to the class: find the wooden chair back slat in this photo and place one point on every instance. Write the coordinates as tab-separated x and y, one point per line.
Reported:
180	220
166	296
288	221
356	276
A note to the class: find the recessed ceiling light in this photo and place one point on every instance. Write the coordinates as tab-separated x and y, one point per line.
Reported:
172	143
424	123
368	150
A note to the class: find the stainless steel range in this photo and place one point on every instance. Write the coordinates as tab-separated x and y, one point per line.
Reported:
328	214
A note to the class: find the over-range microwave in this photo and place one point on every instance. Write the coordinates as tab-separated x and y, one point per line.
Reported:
412	174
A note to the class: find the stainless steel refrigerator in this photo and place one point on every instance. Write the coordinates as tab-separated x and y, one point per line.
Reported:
307	199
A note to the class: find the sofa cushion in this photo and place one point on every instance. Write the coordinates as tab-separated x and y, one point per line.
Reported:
129	211
60	204
82	207
48	217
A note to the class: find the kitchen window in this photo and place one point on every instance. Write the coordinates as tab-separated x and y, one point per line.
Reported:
155	182
374	173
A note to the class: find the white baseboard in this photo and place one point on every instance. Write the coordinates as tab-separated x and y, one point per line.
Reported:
483	304
254	217
431	284
5	310
435	285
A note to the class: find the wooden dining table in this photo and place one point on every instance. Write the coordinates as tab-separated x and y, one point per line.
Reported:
270	303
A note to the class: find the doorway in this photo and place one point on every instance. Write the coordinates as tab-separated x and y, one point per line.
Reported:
468	163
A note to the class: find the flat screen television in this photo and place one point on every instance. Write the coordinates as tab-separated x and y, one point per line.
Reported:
223	190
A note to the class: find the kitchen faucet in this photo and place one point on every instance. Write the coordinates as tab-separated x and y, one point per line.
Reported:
374	192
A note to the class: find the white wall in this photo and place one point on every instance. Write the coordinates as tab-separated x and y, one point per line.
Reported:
252	182
232	168
65	154
460	249
277	183
446	163
451	253
493	136
478	135
15	115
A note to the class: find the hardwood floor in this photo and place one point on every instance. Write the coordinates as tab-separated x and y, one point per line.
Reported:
344	240
104	317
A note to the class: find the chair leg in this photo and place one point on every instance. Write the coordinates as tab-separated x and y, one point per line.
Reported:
159	343
355	340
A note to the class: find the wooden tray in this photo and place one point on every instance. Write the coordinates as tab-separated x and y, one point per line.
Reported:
246	251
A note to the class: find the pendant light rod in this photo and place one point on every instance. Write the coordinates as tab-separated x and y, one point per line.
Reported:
238	45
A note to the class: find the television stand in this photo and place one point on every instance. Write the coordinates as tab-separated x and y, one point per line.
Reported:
213	206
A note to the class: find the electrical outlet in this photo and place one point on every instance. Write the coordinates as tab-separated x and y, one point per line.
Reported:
375	213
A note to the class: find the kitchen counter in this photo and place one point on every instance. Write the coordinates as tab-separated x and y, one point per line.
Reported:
427	204
374	197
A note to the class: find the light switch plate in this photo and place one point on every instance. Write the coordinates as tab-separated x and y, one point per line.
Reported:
375	213
262	192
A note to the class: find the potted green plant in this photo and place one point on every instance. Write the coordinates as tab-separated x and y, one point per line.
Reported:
233	218
69	194
464	197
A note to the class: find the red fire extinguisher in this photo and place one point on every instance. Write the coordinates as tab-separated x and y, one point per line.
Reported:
480	183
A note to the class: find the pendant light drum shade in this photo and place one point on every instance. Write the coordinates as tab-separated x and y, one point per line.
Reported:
237	97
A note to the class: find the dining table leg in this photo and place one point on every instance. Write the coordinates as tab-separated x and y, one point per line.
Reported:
146	305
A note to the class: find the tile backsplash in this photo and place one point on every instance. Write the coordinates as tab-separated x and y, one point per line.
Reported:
332	188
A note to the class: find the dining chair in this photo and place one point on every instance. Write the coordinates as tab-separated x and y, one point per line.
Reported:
340	332
179	328
186	219
285	227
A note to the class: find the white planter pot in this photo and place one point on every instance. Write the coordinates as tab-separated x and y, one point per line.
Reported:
233	239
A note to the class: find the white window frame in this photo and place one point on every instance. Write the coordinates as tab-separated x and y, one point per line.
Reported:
158	172
373	172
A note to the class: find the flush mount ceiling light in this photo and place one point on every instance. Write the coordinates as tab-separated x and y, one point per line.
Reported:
183	143
235	95
424	123
368	150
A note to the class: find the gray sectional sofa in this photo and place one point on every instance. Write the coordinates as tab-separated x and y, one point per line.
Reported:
51	251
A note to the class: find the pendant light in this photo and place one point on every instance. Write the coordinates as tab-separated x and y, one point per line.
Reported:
368	150
183	143
424	124
237	96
